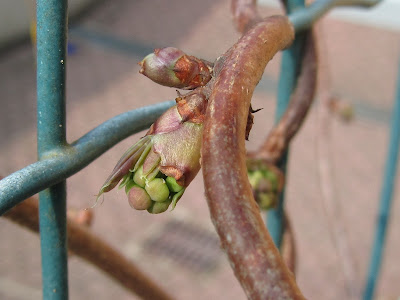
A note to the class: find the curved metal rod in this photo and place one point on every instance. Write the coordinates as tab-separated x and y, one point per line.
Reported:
57	166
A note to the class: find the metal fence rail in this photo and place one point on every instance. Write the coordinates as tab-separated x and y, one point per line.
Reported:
57	160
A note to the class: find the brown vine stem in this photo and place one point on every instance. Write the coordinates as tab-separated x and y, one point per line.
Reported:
245	14
253	256
300	102
85	244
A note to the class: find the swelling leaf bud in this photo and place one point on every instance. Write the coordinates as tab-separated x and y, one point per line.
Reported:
172	67
159	167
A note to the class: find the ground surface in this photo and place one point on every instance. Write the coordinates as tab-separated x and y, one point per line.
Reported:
103	81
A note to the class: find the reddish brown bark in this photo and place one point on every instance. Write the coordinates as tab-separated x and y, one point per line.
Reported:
254	258
300	102
245	14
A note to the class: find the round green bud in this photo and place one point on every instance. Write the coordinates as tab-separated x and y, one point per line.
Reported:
254	178
138	177
266	200
173	185
157	189
159	207
138	198
273	179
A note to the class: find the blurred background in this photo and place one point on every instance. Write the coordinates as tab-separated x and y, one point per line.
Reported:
180	249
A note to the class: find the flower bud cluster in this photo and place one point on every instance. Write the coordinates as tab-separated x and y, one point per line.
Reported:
147	187
266	181
156	170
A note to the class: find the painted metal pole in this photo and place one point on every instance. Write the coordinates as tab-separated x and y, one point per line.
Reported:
290	68
386	198
51	61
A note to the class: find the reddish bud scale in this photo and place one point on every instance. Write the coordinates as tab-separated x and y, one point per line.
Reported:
192	72
172	67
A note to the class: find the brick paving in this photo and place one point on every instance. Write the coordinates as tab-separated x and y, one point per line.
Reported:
103	81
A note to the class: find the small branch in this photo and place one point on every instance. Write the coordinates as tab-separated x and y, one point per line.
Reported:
278	139
245	14
85	244
255	260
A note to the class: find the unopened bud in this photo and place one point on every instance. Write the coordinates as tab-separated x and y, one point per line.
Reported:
162	164
266	181
159	207
266	200
157	189
138	198
138	177
172	67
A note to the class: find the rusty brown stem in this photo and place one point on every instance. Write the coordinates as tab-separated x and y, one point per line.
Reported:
245	14
82	242
253	256
300	102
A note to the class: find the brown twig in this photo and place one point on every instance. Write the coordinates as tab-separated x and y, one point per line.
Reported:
300	102
245	14
85	244
254	258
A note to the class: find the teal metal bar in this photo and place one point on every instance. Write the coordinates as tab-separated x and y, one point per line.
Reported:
290	68
303	18
74	157
386	198
51	62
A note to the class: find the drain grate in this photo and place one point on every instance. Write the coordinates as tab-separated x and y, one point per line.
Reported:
186	244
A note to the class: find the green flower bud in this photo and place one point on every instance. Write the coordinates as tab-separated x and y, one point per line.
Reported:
157	189
138	177
162	164
159	207
266	181
139	199
266	200
255	177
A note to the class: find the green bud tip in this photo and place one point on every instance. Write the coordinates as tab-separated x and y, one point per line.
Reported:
159	207
157	189
138	177
173	185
